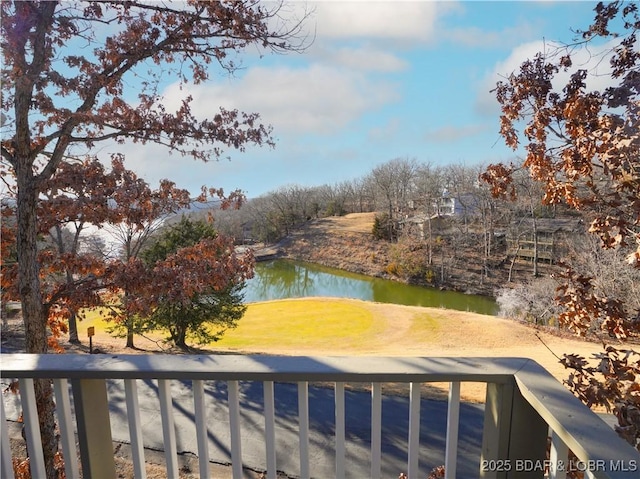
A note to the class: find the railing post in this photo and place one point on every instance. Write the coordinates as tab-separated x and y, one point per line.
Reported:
453	423
413	446
270	428
32	427
135	428
94	429
6	464
558	454
376	430
528	439
202	432
168	427
340	430
495	436
303	428
65	422
233	392
514	440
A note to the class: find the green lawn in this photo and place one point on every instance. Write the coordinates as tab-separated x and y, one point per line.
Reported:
315	324
307	323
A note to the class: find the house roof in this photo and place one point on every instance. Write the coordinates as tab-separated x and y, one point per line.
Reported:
552	225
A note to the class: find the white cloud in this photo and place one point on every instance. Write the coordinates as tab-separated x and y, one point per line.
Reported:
316	99
364	59
378	19
477	37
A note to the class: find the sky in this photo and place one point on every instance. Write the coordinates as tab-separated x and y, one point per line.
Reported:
380	80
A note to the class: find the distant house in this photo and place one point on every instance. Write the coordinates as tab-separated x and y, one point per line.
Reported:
552	234
418	225
462	204
446	206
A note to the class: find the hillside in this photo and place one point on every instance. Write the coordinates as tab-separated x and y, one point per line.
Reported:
343	242
346	242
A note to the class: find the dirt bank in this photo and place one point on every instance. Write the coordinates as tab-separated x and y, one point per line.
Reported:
343	242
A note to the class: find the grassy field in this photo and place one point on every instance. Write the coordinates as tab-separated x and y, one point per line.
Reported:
302	324
320	325
284	324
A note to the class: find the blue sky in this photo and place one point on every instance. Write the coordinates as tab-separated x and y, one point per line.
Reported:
381	80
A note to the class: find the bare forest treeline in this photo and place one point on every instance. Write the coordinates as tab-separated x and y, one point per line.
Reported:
508	249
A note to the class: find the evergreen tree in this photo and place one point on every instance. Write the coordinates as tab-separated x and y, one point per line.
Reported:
203	315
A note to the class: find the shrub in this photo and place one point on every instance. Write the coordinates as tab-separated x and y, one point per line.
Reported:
411	258
393	269
532	301
430	276
383	228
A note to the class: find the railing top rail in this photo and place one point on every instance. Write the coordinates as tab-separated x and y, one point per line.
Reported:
260	368
589	437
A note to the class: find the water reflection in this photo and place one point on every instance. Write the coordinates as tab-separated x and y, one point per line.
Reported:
281	279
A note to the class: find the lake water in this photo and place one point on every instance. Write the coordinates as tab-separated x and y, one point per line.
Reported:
280	279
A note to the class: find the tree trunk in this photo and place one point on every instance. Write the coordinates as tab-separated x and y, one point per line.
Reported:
430	242
535	248
442	264
73	323
390	220
73	329
129	337
180	338
129	322
534	224
34	314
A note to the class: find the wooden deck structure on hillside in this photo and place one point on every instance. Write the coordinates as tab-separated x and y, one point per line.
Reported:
553	236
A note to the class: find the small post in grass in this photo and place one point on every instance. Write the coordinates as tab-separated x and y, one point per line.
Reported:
91	331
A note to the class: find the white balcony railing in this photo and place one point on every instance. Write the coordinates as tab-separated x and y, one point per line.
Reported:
524	406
